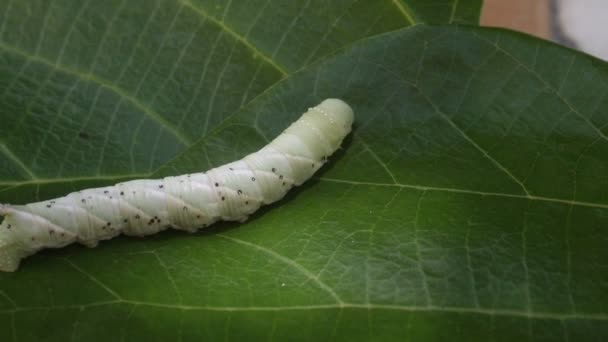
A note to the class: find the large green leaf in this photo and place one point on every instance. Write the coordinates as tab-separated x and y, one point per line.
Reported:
101	90
470	203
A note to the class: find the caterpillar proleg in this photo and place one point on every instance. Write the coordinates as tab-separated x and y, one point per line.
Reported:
189	202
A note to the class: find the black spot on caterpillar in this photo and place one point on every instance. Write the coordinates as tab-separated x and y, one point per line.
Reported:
186	202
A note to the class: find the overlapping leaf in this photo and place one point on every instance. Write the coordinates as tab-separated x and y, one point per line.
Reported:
96	91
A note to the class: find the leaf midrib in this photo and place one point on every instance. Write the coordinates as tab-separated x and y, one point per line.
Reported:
11	185
542	315
469	192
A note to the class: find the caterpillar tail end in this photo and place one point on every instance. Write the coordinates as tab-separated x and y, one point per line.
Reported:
10	255
11	250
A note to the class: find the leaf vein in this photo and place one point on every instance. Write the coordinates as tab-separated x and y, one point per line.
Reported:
105	84
407	12
541	315
470	192
200	11
290	262
92	278
10	155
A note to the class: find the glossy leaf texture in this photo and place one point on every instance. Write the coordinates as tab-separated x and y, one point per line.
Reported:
472	200
470	203
97	91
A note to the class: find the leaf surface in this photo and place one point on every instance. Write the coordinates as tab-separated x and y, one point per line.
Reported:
470	203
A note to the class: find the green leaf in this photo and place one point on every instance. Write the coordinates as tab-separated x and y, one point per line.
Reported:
96	91
474	184
437	12
470	203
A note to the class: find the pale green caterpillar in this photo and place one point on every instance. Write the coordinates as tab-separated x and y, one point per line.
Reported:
188	202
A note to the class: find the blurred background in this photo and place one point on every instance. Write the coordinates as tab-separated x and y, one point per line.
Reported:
581	24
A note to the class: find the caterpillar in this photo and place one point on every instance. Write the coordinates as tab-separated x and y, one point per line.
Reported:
188	202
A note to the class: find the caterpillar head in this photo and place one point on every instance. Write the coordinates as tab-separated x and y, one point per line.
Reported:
340	112
319	131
